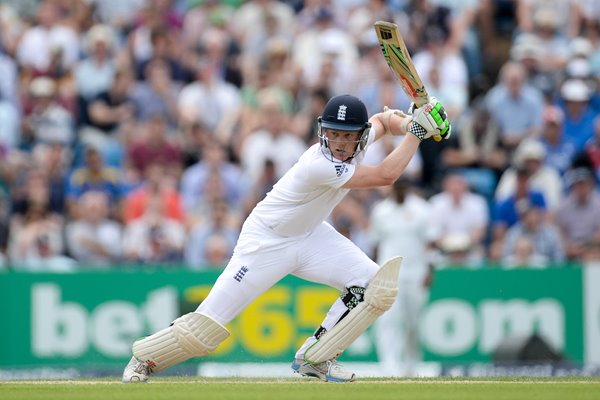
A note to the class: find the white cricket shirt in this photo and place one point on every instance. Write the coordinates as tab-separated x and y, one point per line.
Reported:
307	193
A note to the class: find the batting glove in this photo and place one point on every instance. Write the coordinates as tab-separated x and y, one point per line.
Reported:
430	120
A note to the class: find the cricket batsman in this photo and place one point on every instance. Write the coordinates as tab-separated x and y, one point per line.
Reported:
286	233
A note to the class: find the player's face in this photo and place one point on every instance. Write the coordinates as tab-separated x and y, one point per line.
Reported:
342	143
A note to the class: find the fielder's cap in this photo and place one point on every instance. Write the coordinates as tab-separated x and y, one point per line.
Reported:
577	175
42	86
575	90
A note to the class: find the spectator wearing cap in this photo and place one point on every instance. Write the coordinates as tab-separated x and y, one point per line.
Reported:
516	107
580	115
506	211
544	237
560	151
95	72
46	120
530	155
578	215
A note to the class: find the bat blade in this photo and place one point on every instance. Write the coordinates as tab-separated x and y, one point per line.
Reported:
398	59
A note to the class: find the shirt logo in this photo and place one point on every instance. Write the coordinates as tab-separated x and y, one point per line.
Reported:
342	113
340	169
240	274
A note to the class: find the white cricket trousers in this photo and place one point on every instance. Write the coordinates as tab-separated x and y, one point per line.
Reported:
262	258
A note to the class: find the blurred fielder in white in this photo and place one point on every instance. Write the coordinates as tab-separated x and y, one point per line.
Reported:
401	224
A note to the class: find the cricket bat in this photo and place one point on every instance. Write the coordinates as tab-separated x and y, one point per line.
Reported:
398	59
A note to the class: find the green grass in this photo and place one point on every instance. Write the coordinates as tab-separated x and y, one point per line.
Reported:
513	388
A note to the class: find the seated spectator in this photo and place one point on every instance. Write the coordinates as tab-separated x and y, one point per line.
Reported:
222	226
560	151
154	239
544	236
515	107
505	211
154	145
580	114
94	175
94	240
113	106
530	155
36	242
94	74
46	120
578	215
158	94
524	255
212	169
476	151
160	183
457	211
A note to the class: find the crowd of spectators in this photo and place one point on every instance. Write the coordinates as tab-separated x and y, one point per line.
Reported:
142	132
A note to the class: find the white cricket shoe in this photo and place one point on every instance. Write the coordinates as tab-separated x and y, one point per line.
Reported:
136	371
329	371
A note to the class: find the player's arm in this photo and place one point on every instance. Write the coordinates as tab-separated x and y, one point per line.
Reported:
390	122
424	123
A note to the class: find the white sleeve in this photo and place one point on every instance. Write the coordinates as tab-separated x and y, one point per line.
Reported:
323	172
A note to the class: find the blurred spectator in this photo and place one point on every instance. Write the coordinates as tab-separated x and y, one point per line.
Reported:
196	181
445	72
211	238
547	249
524	255
397	331
46	120
36	242
272	140
155	145
516	108
457	211
418	17
94	240
160	183
551	41
592	148
560	151
580	114
476	151
209	100
120	14
578	215
506	210
114	106
93	175
530	155
166	52
94	74
333	54
48	47
157	95
200	16
563	15
154	239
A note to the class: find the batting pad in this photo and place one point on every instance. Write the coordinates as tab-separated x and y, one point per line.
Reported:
379	297
191	335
